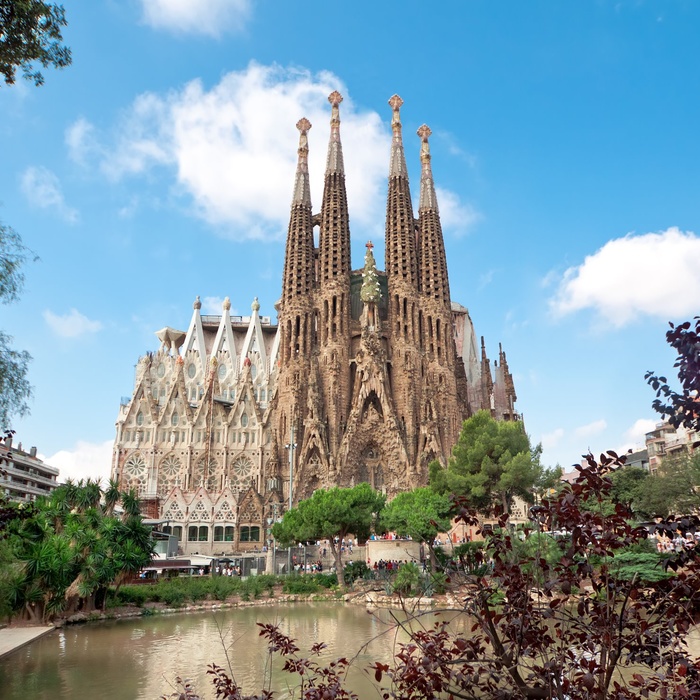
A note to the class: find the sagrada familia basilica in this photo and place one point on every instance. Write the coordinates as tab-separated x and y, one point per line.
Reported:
366	376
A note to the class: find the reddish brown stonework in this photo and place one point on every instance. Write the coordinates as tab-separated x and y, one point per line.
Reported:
366	377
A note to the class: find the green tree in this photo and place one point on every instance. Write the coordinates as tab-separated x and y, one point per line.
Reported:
628	484
69	550
15	389
419	514
30	33
491	463
674	489
330	514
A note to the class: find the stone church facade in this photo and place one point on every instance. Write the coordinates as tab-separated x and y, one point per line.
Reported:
366	376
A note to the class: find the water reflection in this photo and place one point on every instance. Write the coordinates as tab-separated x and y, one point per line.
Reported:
139	659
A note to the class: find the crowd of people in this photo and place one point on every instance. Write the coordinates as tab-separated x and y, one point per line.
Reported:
227	570
678	543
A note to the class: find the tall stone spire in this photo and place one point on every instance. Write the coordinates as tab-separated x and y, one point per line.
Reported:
298	279
434	282
334	240
401	259
332	317
486	381
508	386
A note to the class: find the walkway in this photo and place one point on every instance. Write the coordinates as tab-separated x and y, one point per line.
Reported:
12	638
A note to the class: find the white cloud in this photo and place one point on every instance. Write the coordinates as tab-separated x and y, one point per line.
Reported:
635	435
594	428
638	431
232	148
208	17
654	274
72	324
551	440
82	140
85	460
42	189
455	216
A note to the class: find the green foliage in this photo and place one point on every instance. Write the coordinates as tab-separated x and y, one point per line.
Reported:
419	514
537	546
470	557
302	585
628	486
326	580
70	551
332	513
647	568
433	583
407	579
31	33
491	463
130	595
674	489
354	570
15	390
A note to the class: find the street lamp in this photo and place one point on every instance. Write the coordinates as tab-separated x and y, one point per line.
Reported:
291	446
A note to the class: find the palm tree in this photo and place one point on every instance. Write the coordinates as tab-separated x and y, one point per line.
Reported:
112	495
131	505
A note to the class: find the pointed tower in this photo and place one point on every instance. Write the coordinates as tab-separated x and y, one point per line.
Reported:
486	381
333	298
438	330
404	315
334	242
505	392
296	312
298	279
433	264
401	261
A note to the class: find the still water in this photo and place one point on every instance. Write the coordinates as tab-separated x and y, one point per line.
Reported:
140	658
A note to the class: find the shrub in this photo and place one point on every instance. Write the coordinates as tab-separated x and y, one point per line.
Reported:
433	583
130	595
407	579
326	580
646	567
354	570
301	585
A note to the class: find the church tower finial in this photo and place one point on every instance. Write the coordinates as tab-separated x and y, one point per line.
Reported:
334	163
397	164
428	199
302	190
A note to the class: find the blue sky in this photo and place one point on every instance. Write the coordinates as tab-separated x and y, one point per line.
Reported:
159	166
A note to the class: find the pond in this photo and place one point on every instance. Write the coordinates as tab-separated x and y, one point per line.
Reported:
140	658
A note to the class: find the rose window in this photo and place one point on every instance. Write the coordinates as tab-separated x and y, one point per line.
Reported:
206	474
169	474
241	472
135	471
